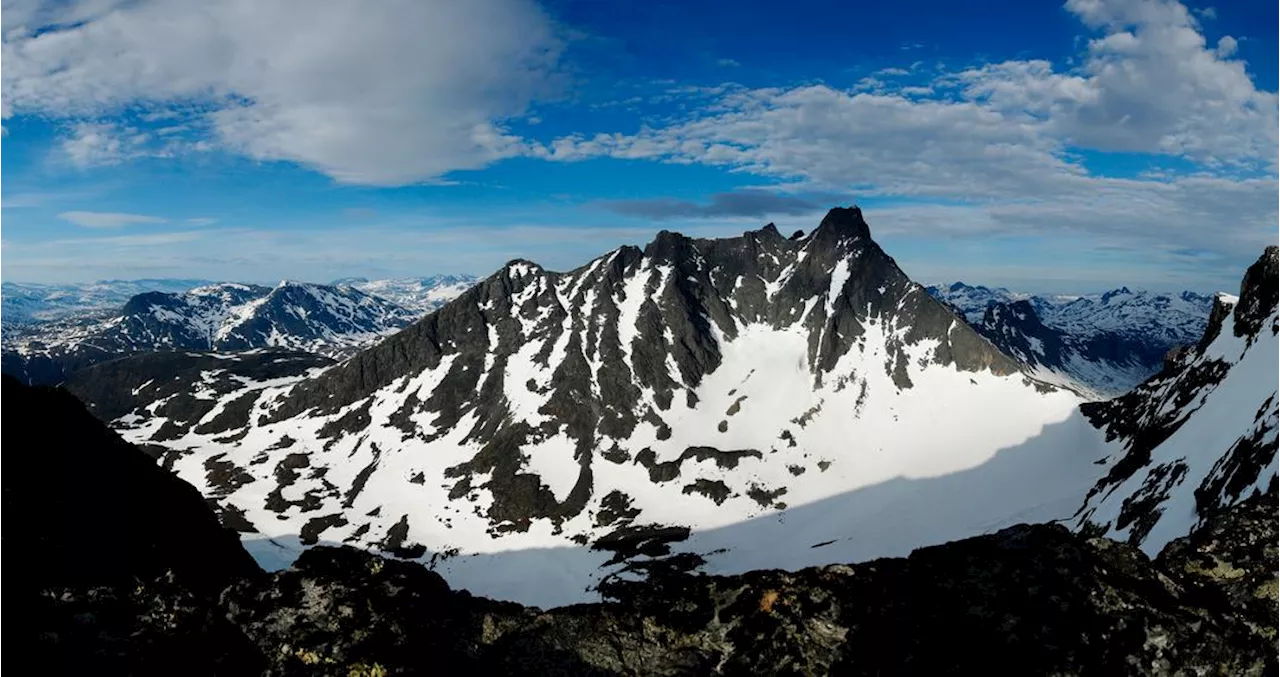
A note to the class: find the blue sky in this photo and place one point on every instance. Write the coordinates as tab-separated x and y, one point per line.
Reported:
1041	146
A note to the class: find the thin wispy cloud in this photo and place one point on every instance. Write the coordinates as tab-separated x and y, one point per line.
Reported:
108	219
745	203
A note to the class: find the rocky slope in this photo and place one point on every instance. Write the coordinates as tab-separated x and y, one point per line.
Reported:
1033	599
681	398
1200	435
1102	345
227	317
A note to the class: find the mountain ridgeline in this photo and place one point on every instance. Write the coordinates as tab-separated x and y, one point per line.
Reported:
226	317
1202	434
682	294
689	385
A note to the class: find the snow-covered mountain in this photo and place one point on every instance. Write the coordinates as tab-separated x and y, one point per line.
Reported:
23	303
1201	435
971	301
1098	366
1102	345
333	321
726	405
420	294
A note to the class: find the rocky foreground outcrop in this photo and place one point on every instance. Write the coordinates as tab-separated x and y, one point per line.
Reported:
1031	599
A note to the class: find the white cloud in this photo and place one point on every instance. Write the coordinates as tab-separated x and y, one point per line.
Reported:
1000	150
94	144
108	219
202	221
1227	46
1149	84
381	93
728	63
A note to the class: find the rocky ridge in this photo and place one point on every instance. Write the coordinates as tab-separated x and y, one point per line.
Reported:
1202	434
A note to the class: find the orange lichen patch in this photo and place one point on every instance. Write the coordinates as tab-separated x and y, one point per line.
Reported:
767	600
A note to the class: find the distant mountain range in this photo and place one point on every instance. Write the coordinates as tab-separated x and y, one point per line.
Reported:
1100	344
328	320
23	303
419	294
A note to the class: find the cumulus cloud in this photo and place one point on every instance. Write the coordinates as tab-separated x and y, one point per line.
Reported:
1149	83
377	93
95	144
739	204
1227	46
997	148
108	219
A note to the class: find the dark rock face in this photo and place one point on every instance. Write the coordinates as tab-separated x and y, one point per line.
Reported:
1107	344
113	389
113	564
1222	562
1033	599
1258	294
1102	361
1015	328
95	510
706	273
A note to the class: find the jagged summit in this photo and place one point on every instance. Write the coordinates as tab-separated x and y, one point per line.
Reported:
843	222
1258	293
1120	291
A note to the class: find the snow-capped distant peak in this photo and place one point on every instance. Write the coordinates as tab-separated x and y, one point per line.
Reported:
420	294
1112	341
332	321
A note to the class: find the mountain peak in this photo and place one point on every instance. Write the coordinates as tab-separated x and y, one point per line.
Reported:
668	245
1258	293
1122	291
843	223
